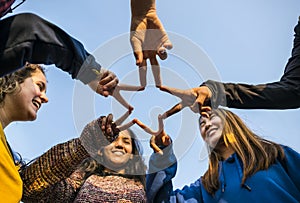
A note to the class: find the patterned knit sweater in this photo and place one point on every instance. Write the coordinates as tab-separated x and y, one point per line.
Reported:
53	177
111	189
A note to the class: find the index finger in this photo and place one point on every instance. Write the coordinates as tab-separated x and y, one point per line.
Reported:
174	91
175	109
108	82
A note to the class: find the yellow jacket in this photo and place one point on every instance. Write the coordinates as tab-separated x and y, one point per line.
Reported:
11	183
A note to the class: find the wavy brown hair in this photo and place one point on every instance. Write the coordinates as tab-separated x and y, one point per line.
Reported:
255	152
10	83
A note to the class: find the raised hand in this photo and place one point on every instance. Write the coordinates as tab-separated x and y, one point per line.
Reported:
195	98
105	83
101	132
162	139
148	38
158	138
149	130
117	94
112	128
109	127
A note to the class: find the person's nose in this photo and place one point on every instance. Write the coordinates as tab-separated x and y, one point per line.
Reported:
44	97
119	144
208	125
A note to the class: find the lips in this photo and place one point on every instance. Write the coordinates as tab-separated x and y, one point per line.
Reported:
119	153
210	131
36	103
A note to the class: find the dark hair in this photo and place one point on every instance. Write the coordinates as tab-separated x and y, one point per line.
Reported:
135	168
11	83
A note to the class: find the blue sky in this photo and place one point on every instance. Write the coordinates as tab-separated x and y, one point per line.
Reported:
233	41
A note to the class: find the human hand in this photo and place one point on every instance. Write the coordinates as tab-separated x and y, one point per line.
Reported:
105	83
109	127
148	37
196	98
148	129
112	128
158	138
162	139
100	132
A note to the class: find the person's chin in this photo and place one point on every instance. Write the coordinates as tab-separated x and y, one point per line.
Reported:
32	116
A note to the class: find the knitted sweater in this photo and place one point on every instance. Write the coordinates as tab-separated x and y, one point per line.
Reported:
111	188
42	176
53	176
96	188
50	171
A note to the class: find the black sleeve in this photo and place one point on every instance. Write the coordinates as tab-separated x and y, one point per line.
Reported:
28	38
283	94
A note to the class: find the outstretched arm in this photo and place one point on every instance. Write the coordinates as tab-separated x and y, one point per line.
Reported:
283	94
29	38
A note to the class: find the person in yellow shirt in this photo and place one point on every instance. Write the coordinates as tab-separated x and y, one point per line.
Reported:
22	94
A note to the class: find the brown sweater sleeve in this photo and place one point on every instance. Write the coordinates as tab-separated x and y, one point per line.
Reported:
55	165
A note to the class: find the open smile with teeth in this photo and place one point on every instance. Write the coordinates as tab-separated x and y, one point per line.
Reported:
118	153
210	132
36	103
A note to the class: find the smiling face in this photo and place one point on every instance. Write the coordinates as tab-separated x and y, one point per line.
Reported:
118	153
211	129
25	103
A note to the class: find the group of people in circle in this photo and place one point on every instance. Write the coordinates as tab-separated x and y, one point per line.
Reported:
105	163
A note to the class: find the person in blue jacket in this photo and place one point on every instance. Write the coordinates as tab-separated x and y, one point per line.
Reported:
243	167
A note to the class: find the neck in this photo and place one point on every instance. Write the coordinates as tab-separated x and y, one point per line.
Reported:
4	118
224	151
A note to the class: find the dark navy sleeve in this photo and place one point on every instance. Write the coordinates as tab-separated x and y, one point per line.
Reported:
29	38
283	94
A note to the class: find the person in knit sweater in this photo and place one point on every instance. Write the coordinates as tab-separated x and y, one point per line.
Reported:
113	170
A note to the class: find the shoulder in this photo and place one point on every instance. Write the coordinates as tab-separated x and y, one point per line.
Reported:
289	151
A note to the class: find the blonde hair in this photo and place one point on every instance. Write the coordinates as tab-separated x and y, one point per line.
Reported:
254	152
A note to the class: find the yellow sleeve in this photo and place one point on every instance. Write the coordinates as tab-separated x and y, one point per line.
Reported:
11	183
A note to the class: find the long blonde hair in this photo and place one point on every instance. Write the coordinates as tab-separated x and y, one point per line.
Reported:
255	152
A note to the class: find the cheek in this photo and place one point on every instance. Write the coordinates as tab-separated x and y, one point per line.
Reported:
202	132
129	149
105	152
